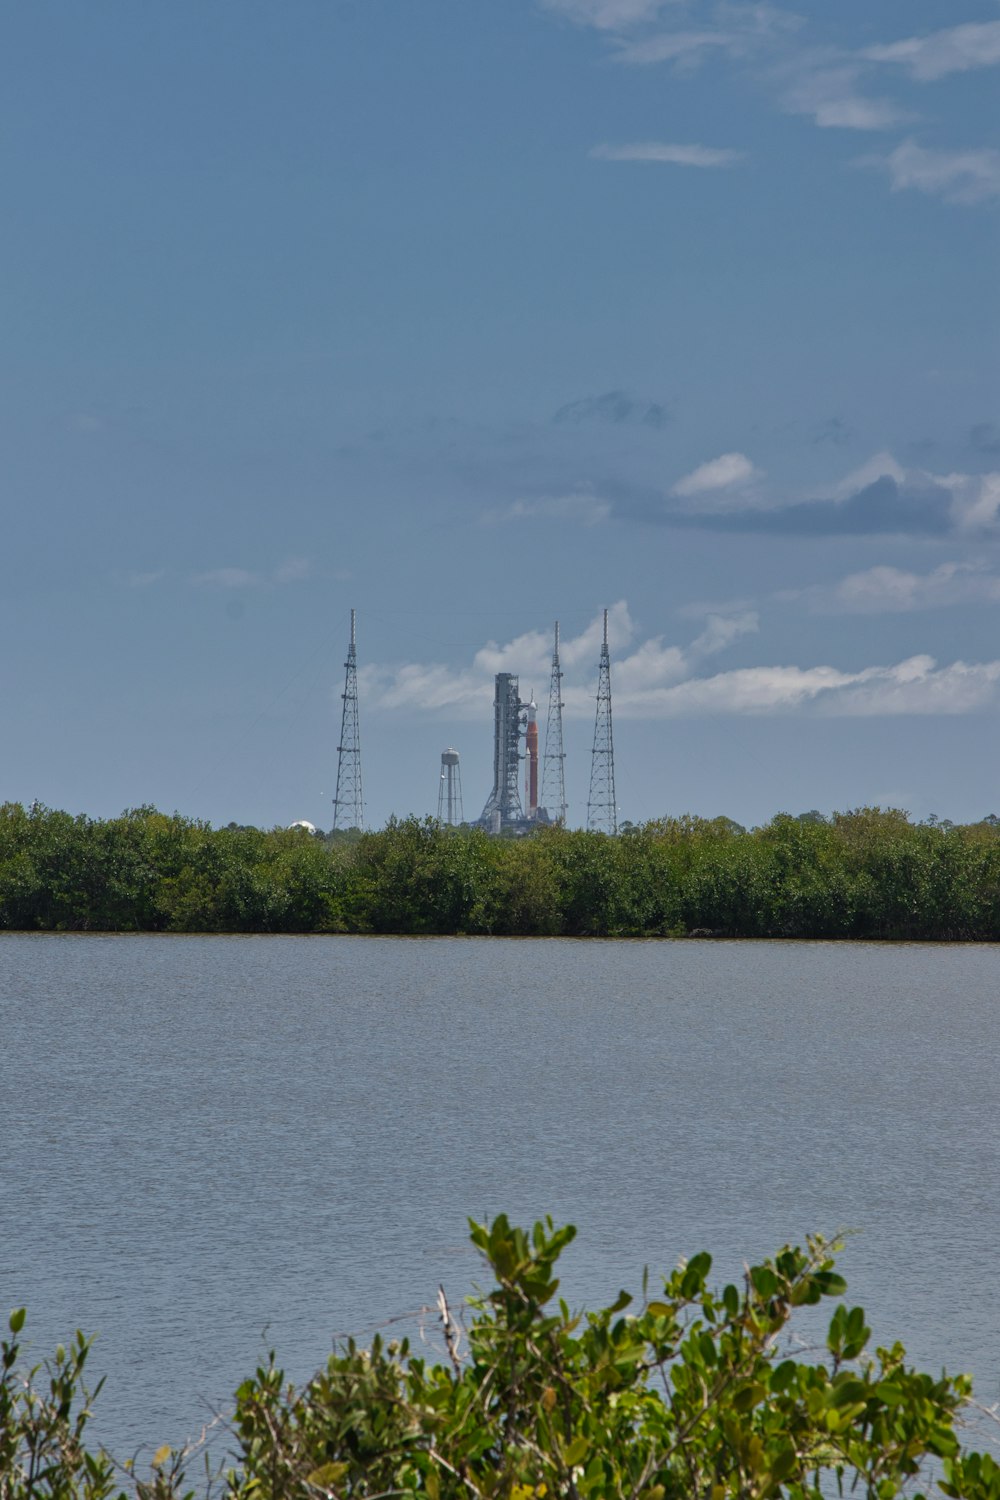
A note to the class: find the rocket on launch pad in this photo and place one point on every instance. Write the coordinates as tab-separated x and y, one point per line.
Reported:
531	761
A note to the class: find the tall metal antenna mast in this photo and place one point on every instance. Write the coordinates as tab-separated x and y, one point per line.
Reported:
348	804
553	794
602	812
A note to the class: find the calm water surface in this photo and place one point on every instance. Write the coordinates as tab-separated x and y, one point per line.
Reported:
212	1145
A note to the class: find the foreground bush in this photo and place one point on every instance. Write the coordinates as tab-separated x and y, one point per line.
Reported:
694	1394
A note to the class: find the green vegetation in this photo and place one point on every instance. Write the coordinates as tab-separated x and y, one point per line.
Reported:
863	874
695	1394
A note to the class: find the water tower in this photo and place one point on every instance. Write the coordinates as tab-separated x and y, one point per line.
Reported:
450	790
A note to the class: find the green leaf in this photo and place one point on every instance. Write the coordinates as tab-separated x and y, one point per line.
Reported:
576	1452
747	1396
764	1281
327	1476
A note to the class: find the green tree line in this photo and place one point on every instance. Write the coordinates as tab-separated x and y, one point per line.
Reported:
693	1393
868	873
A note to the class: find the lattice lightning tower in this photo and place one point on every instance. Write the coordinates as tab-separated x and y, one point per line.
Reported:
553	793
348	804
602	812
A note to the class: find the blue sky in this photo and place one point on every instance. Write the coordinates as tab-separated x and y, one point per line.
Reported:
474	316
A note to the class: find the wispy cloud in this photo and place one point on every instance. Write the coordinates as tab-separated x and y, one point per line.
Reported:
660	151
606	15
726	472
831	97
227	578
833	86
914	686
957	49
965	176
684	48
293	570
739	31
888	590
654	679
582	508
612	407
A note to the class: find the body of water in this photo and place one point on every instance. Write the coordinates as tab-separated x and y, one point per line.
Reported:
209	1146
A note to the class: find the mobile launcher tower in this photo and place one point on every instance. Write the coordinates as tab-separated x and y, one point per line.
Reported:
512	720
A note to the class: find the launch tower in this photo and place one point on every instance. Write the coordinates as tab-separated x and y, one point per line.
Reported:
503	805
348	804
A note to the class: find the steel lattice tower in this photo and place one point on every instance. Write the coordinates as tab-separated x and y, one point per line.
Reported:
348	804
602	812
450	790
553	794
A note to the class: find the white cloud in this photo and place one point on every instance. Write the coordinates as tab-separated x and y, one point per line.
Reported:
682	47
650	666
914	686
659	151
972	501
721	630
581	507
606	15
144	580
919	686
887	590
227	578
742	30
464	691
293	570
954	50
975	500
720	473
829	94
583	649
652	679
748	690
968	176
878	466
880	497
